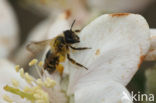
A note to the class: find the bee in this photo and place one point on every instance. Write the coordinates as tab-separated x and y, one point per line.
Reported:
59	50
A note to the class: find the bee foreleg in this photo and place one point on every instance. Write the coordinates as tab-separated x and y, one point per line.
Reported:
74	62
77	31
80	48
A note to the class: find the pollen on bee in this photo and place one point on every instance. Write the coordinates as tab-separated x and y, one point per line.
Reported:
33	62
62	58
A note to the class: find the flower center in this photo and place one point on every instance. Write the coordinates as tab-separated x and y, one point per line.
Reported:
35	90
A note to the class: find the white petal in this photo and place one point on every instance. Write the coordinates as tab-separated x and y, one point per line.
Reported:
8	29
151	55
118	44
7	73
108	92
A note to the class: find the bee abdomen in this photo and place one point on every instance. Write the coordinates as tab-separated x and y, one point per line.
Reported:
50	68
51	61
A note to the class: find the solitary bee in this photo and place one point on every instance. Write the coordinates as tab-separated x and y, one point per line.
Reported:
59	50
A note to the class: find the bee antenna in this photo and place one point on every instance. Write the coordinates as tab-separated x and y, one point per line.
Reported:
72	25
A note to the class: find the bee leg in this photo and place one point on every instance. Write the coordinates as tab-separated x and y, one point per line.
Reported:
77	31
74	62
60	69
80	48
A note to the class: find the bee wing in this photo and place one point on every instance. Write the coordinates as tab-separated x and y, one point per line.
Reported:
36	47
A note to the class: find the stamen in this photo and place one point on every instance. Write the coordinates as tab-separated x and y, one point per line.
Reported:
28	78
20	93
40	64
49	83
27	89
40	101
21	71
33	62
38	71
15	83
41	96
17	68
7	99
40	82
33	94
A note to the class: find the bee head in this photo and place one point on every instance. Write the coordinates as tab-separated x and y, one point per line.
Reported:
71	37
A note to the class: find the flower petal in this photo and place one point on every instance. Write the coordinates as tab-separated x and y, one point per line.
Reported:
151	55
8	29
108	92
7	73
118	44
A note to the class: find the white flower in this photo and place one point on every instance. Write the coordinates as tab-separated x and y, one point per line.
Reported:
8	29
7	75
118	44
109	91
